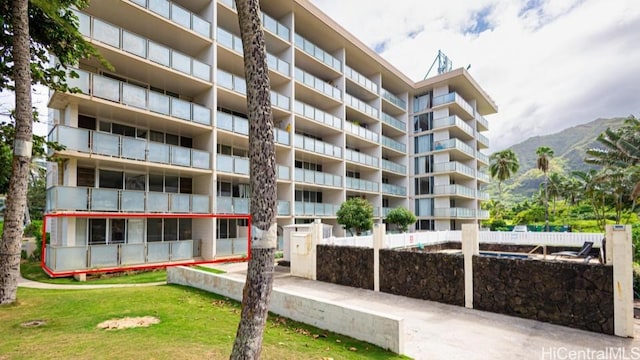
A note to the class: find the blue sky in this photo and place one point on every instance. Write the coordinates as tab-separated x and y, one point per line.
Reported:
547	64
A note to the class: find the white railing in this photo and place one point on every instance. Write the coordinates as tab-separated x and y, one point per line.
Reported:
541	238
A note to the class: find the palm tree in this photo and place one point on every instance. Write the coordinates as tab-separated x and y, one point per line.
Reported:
555	188
543	163
503	164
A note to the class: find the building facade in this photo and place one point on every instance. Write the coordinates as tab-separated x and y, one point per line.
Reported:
164	133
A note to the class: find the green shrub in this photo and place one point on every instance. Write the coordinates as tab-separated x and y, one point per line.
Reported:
34	229
636	281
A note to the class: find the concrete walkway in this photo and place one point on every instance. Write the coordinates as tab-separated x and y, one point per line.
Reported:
22	282
440	331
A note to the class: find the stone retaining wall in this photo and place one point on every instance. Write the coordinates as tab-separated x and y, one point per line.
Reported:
345	265
423	275
565	293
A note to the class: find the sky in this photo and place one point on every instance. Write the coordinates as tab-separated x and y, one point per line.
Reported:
548	64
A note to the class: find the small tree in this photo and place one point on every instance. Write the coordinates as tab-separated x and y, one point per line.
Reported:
402	218
356	214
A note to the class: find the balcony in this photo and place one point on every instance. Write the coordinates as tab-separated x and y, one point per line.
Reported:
454	213
318	84
237	84
317	146
317	115
65	198
133	96
453	121
316	52
360	105
360	132
483	124
454	190
141	47
394	99
390	189
240	125
453	166
232	205
240	166
124	147
393	144
268	23
177	15
314	209
456	99
391	121
483	195
317	178
361	185
484	177
283	208
393	167
483	141
360	158
360	79
234	43
454	144
483	158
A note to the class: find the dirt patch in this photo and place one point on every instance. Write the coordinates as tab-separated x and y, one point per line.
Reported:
129	322
33	323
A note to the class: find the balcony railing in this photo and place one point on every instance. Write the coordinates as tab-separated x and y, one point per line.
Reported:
360	158
315	209
482	120
452	121
237	205
235	83
360	131
484	177
394	189
318	115
318	84
453	166
124	147
122	39
361	184
394	99
139	97
453	144
240	125
65	198
268	23
361	79
482	139
454	190
317	177
178	15
232	164
316	52
234	43
482	157
483	195
461	213
394	167
453	97
356	103
317	146
390	143
390	120
68	258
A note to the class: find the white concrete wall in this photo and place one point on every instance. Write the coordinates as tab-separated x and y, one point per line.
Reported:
383	330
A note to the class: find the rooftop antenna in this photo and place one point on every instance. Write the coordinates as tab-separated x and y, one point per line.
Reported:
444	64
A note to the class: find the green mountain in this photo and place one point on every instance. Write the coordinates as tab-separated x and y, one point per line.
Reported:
569	147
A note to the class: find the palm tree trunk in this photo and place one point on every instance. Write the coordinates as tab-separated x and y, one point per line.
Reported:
546	202
17	197
257	289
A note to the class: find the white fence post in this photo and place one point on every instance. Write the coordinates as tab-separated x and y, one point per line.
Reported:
470	235
378	242
620	238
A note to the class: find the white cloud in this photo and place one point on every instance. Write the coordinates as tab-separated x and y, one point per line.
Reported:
548	64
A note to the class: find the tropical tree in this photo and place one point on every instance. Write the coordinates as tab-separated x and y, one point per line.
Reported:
356	215
401	217
24	54
262	177
502	165
591	187
543	163
554	188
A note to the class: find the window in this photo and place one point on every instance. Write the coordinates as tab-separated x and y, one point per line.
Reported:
123	130
154	230
134	181
424	225
97	231
424	207
156	182
422	143
423	122
224	188
110	179
423	165
422	102
308	196
171	184
186	185
170	230
86	122
156	136
86	177
353	174
186	228
423	186
117	231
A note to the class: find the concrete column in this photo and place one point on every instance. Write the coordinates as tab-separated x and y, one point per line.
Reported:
608	247
470	235
620	238
379	231
316	236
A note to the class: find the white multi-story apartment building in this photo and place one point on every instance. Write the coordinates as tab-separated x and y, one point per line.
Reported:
164	133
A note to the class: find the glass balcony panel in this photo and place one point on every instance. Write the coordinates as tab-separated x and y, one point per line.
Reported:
81	82
241	166
298	208
134	44
142	3
159	103
159	54
72	138
390	120
283	172
181	16
240	206
103	256
201	114
133	201
224	163
200	159
106	144
134	148
281	136
160	7
200	26
180	156
200	204
104	200
309	208
180	109
283	208
157	252
180	203
84	23
225	38
224	121
158	153
132	254
70	198
224	205
106	33
201	70
106	88
239	85
157	202
181	62
240	125
135	96
181	250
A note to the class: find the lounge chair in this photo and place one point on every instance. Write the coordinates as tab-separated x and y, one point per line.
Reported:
583	253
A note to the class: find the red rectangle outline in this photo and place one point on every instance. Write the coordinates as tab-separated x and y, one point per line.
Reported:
52	273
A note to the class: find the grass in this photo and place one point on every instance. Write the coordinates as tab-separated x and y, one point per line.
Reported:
194	325
209	269
31	270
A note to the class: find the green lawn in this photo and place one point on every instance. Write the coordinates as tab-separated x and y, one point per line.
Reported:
31	270
194	325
